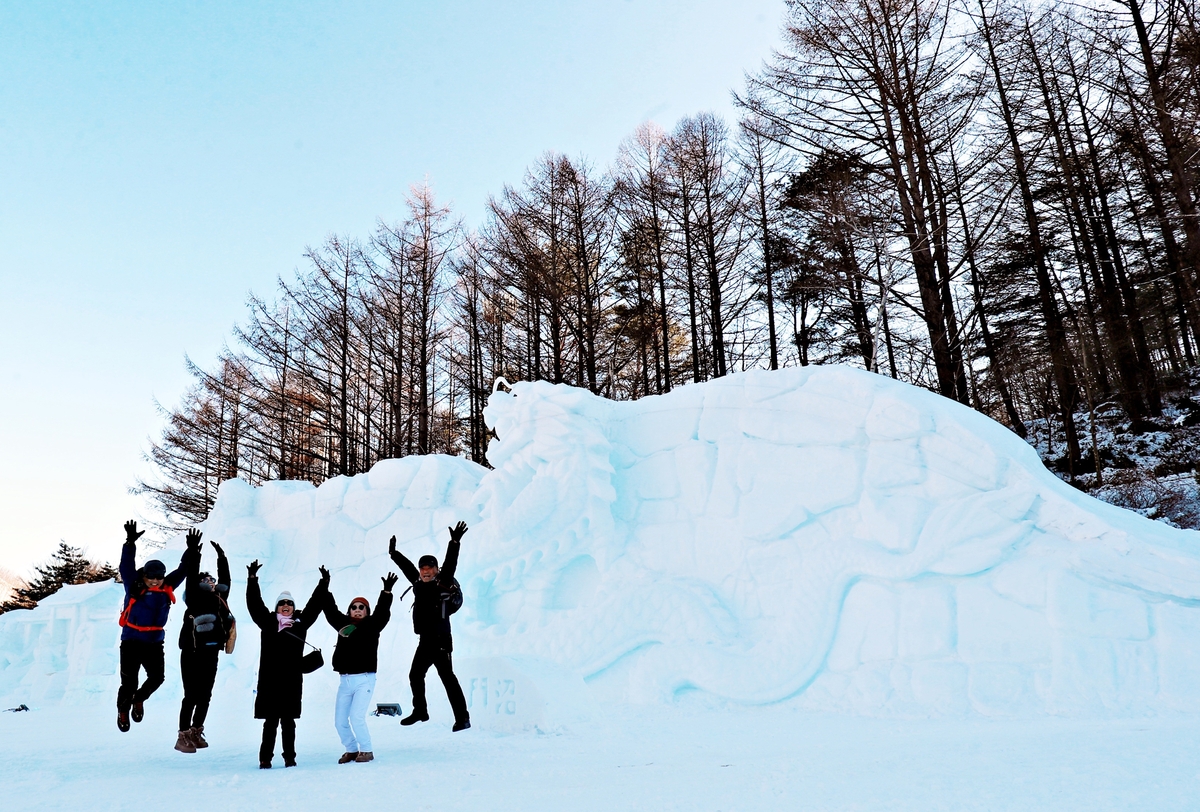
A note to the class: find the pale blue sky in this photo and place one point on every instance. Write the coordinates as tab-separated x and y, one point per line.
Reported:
160	160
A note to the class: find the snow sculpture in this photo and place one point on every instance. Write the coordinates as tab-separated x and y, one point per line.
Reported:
822	535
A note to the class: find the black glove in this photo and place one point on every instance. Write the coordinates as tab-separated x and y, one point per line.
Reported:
253	567
392	546
324	575
193	540
217	547
131	532
458	531
389	581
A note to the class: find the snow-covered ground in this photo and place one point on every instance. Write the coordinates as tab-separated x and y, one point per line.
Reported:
650	758
852	592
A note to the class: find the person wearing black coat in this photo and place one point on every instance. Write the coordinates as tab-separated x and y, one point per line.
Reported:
431	621
206	628
356	659
280	678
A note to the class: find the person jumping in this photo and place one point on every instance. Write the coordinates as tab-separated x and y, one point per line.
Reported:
205	632
433	588
149	593
356	658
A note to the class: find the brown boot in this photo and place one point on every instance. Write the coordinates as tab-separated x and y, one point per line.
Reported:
365	755
197	734
347	758
184	743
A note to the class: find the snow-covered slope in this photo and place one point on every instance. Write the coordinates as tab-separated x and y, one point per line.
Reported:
822	535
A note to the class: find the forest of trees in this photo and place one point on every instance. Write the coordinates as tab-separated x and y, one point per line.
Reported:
996	201
67	566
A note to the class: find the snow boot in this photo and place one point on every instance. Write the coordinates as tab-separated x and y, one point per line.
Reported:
184	743
139	710
461	725
289	761
264	765
197	734
365	756
347	758
123	721
414	717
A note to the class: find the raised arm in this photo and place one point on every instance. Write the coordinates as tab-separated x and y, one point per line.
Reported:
383	607
336	619
223	576
259	613
128	568
190	564
407	567
450	565
316	602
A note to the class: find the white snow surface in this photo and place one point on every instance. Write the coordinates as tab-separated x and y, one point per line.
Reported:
821	537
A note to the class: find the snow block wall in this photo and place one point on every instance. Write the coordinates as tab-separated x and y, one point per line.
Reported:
822	536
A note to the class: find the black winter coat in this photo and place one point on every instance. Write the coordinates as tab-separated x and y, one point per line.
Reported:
430	616
202	602
357	650
280	680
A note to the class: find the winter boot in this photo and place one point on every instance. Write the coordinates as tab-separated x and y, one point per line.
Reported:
347	758
123	721
264	765
365	756
139	710
462	724
184	743
197	734
289	761
414	717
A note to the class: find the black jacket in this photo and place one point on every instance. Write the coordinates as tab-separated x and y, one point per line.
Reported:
201	602
430	617
357	650
280	680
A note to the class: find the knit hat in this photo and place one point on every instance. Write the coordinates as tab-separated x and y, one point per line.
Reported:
363	601
154	569
427	561
284	596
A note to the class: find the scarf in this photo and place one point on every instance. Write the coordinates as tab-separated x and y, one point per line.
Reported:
284	622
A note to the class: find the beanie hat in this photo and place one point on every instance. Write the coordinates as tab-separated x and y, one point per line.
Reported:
363	601
284	596
427	561
154	569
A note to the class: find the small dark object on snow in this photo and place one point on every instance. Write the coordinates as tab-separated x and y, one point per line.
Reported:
18	709
387	709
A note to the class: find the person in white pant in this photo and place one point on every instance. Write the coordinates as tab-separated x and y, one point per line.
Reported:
356	658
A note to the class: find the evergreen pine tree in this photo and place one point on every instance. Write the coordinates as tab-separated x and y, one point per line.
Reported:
67	566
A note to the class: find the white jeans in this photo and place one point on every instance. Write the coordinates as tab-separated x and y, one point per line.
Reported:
350	712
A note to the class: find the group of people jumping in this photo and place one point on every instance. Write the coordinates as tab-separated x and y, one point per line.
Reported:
209	628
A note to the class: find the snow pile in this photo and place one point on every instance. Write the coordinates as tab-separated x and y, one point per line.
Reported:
820	535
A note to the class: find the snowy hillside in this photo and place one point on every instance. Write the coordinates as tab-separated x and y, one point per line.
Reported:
823	536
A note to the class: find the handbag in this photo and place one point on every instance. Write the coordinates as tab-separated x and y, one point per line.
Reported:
312	661
229	641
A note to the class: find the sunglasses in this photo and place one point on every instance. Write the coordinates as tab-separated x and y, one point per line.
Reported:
358	606
286	603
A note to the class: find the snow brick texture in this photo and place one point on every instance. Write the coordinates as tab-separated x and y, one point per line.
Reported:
823	536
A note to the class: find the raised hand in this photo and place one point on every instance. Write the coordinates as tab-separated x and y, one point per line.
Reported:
131	532
217	547
389	581
392	546
253	567
193	539
458	531
324	574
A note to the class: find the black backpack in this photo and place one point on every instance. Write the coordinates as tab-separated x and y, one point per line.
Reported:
452	598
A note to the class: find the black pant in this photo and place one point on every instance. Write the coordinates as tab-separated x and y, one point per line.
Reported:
436	653
267	751
199	671
135	655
